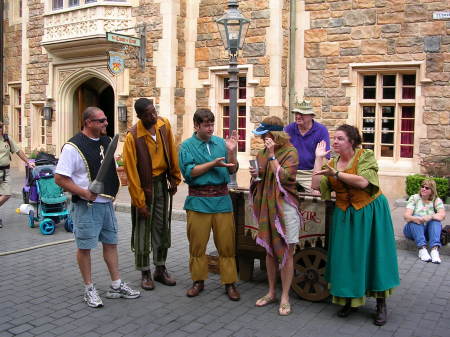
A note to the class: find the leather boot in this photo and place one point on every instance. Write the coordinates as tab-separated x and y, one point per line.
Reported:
347	309
232	292
162	276
146	281
381	314
196	288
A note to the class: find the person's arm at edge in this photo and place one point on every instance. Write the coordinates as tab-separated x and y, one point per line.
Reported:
67	184
440	214
24	158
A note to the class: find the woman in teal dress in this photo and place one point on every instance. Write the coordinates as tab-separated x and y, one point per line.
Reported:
362	259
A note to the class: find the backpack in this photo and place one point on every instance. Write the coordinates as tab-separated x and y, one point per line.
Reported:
445	235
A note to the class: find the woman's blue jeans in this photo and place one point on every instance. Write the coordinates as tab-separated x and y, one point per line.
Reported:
430	231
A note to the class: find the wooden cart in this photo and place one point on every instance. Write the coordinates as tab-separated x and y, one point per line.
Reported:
311	254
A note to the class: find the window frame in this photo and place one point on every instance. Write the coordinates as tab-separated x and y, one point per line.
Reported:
223	102
16	116
398	102
15	12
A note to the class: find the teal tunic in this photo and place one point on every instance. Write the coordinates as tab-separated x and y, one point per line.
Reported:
193	152
362	257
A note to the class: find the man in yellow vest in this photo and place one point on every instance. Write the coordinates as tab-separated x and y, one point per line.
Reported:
151	164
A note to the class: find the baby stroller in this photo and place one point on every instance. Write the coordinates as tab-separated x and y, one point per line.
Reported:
51	203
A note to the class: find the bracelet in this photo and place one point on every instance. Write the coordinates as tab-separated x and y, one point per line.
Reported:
337	174
272	158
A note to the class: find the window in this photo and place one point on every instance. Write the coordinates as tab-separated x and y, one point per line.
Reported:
14	11
387	110
73	3
57	4
42	127
16	103
241	111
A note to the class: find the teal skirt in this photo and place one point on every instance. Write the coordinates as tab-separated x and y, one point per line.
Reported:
362	257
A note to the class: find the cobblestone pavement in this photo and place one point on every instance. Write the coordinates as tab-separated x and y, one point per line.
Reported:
41	295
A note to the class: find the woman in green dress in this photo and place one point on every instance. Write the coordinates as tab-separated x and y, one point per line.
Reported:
362	259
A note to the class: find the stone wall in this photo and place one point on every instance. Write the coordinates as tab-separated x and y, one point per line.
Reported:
37	67
12	52
362	31
210	50
143	83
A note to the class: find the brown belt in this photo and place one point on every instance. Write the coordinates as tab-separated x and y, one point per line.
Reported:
208	190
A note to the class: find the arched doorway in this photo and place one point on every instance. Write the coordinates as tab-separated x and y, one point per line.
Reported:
94	92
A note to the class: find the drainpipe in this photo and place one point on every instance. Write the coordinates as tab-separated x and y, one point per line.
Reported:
292	38
1	59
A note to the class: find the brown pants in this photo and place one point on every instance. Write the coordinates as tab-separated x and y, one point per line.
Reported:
198	230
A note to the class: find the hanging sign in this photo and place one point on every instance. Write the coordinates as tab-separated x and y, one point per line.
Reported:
123	39
116	62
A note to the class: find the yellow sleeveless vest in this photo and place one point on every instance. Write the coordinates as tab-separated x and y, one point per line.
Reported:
347	195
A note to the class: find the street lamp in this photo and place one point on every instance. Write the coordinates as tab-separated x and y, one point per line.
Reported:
122	112
47	111
233	27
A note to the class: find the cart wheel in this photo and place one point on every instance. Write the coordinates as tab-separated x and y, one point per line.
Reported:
31	219
68	224
47	226
309	270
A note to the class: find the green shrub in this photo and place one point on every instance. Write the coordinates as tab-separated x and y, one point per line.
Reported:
413	185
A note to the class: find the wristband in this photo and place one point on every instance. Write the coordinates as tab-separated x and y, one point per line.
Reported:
337	174
272	158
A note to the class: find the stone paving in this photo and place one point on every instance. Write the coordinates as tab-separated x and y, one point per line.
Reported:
41	295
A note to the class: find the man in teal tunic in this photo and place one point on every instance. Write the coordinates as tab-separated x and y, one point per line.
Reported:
206	162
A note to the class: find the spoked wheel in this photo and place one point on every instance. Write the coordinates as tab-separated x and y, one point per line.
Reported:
31	219
309	271
47	227
68	224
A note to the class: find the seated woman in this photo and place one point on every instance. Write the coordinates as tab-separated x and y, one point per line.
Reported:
276	208
424	213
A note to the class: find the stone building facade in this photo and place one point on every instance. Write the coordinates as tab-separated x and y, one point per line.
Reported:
382	65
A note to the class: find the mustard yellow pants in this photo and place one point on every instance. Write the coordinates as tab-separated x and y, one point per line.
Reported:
199	227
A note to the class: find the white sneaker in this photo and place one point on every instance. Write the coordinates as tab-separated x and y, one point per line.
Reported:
435	256
123	291
423	255
92	298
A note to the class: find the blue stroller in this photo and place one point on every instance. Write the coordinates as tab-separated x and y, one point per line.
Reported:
51	203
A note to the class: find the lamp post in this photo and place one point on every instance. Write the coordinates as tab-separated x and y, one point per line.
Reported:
233	27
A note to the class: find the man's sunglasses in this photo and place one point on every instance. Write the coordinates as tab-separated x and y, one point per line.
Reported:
100	120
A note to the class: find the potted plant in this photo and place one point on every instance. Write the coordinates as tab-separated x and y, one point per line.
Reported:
121	170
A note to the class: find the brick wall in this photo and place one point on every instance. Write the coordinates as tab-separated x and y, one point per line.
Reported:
360	31
210	50
12	52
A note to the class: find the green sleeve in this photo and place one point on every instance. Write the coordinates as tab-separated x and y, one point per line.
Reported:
325	188
368	168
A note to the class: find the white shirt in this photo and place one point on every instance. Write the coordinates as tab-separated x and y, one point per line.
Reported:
71	164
